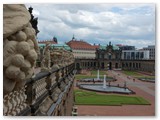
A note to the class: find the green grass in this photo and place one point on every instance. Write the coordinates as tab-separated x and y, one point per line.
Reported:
150	77
93	75
136	74
79	76
92	98
94	72
131	73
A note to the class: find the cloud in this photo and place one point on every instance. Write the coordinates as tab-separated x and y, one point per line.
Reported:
132	24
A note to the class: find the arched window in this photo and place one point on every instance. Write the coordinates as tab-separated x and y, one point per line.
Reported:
109	56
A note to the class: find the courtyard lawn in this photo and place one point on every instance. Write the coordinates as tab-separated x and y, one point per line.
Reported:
94	72
137	75
92	98
146	77
93	75
131	73
79	76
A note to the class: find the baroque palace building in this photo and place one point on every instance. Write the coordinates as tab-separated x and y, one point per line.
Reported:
110	57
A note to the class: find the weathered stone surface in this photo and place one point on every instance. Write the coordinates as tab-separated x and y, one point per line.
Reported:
45	106
19	85
7	61
29	73
18	60
20	46
8	85
30	32
32	55
21	76
21	36
45	64
15	18
31	44
23	48
12	72
9	49
26	66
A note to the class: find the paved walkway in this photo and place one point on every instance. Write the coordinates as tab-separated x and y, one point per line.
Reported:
143	89
145	86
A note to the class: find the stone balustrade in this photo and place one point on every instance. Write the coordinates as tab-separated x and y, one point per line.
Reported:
15	102
46	94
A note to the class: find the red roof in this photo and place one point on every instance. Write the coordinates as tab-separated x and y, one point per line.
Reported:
44	41
81	45
119	45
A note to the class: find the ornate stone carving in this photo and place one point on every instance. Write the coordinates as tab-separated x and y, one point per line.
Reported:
46	61
56	94
14	102
40	87
20	46
61	57
45	106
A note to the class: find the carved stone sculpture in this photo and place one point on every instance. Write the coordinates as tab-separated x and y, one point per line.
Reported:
61	57
46	61
19	46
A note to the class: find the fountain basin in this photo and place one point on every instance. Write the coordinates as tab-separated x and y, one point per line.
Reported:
96	80
108	89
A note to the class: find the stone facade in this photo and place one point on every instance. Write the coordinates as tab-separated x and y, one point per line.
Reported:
109	58
82	49
141	65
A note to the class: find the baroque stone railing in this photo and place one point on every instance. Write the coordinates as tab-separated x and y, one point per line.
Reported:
48	93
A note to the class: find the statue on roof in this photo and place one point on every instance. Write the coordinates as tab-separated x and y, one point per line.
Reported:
73	38
33	21
110	43
30	11
46	61
55	39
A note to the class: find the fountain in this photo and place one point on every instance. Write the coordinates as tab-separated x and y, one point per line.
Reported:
98	75
97	79
103	87
104	82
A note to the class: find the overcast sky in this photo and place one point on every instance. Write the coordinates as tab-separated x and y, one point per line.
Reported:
128	24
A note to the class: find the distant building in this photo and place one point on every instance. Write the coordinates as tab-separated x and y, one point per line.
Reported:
135	54
82	49
108	57
59	46
53	41
126	47
151	49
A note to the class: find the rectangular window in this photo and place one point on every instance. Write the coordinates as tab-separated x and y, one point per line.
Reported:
132	55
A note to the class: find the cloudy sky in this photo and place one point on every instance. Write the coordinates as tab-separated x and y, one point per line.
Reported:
128	24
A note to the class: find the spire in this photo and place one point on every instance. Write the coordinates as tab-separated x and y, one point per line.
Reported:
73	38
55	39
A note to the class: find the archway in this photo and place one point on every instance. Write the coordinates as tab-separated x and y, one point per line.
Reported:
110	66
102	65
116	65
77	66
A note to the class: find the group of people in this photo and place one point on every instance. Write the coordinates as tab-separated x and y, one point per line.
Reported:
129	77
